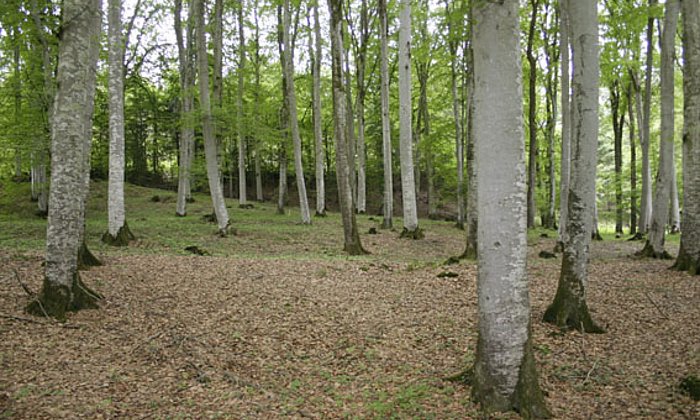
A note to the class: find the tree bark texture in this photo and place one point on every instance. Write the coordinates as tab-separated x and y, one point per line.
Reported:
242	191
532	118
291	99
655	243
352	244
210	146
408	184
62	290
388	196
504	377
565	165
569	308
646	201
316	57
689	254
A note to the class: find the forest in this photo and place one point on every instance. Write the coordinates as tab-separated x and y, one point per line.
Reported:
350	209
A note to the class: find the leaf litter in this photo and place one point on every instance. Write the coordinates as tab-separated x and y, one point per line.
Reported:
375	337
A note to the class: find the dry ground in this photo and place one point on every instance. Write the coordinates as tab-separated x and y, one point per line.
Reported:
226	337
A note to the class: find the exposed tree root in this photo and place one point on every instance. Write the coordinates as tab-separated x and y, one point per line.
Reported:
124	235
417	233
55	300
86	258
569	312
648	252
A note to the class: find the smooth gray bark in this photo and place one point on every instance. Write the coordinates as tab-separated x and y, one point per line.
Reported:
388	198
569	308
505	377
316	54
210	147
71	136
242	191
532	117
655	243
351	237
689	254
291	99
256	112
408	184
646	201
185	48
565	165
116	214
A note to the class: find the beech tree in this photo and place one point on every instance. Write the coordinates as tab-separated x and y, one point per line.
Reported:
504	377
210	147
291	99
654	246
388	200
352	244
408	183
185	48
320	153
118	232
63	289
565	166
242	191
689	253
569	308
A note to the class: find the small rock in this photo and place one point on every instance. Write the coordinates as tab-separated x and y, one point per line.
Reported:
547	254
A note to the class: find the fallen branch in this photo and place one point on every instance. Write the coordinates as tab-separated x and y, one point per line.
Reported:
20	318
588	375
658	308
24	286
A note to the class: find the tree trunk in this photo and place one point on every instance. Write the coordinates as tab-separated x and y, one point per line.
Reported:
532	119
186	145
293	121
258	170
655	243
569	308
352	244
566	113
453	45
217	35
646	203
618	121
62	289
242	192
675	220
210	146
689	254
117	230
388	199
552	58
505	377
360	64
408	184
633	158
316	57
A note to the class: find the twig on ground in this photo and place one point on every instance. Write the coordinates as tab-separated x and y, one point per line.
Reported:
20	318
658	308
24	286
588	375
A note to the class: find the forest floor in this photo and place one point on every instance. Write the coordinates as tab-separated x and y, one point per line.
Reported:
277	322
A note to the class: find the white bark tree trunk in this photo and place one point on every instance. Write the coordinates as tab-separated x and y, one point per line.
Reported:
646	202
242	191
388	199
565	166
258	169
408	184
655	244
505	377
352	244
360	63
186	66
72	127
569	308
117	232
689	254
210	147
293	121
320	153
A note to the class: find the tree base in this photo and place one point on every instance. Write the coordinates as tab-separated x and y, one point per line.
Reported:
189	200
320	213
596	236
86	258
637	237
387	224
469	253
280	210
55	300
685	262
246	206
648	252
355	249
417	233
567	312
527	398
178	214
459	225
124	235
